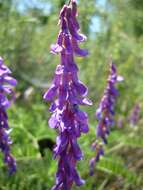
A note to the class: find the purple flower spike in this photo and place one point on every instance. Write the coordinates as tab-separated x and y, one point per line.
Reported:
105	114
66	93
5	82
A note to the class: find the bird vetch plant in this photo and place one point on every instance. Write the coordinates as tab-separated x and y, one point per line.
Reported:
105	115
66	93
6	81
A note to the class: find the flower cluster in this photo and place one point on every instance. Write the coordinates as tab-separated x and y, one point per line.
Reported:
66	93
6	81
135	114
105	114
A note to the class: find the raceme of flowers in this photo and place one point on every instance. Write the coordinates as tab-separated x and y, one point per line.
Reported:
6	83
105	115
66	93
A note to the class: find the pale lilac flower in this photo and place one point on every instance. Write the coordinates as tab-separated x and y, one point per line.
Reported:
66	93
120	122
6	81
135	114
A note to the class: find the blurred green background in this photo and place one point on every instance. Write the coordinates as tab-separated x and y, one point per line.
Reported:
113	27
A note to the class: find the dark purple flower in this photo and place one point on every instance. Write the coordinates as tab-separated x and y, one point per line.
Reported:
66	93
105	113
6	81
99	152
135	114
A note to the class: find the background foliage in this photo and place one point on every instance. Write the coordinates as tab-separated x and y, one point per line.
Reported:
27	28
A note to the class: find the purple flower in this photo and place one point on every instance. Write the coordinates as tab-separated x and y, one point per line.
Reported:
6	81
105	113
99	152
120	122
66	93
135	114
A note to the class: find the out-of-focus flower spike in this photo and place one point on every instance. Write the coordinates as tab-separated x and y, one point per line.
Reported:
105	113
